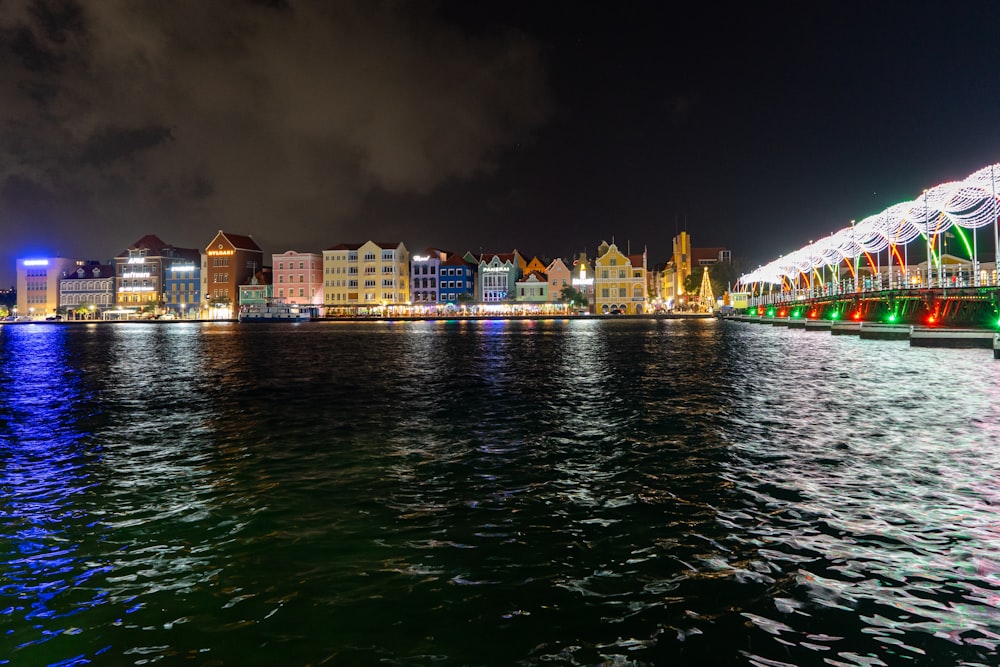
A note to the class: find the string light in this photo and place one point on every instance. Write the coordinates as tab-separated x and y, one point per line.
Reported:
965	204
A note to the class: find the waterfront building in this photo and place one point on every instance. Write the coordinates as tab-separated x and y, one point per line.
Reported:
88	290
533	289
457	280
425	270
535	264
583	277
182	283
142	269
230	261
620	281
675	271
38	284
257	291
366	277
298	277
497	275
559	276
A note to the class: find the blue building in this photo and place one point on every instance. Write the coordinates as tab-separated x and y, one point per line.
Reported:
457	279
182	282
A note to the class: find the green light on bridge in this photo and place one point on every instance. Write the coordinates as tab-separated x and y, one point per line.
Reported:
835	315
891	318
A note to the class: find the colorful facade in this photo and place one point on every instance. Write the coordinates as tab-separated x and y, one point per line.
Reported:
533	289
425	270
457	280
231	260
182	284
620	281
297	277
139	273
559	276
369	275
582	278
497	275
38	284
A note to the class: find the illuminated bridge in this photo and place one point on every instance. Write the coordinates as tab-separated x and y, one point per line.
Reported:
917	262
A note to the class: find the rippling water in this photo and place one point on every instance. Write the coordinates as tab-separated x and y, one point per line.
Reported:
560	492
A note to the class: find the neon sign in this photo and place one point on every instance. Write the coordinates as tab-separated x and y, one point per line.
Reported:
36	262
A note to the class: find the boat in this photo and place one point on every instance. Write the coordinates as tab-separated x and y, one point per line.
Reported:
277	312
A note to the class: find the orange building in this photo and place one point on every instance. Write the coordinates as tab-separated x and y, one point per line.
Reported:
230	260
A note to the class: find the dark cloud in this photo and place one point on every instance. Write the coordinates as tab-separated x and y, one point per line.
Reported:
183	117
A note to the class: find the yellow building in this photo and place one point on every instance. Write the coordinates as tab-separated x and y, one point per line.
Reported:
534	265
369	276
619	281
676	271
38	284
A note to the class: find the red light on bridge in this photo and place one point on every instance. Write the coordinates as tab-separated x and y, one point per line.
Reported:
857	315
781	313
931	319
812	314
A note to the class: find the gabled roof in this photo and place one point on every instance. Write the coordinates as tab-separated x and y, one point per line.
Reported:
388	245
457	260
150	242
241	242
104	271
535	277
502	256
346	246
635	260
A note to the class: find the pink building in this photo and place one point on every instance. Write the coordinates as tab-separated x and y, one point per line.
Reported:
297	277
559	276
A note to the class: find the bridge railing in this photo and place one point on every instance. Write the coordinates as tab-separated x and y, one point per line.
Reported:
954	278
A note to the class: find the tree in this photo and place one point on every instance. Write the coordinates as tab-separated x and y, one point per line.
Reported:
723	276
570	294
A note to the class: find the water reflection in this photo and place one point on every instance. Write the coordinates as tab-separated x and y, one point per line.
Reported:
580	492
47	523
870	512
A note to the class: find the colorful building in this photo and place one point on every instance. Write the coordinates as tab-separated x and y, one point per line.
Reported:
88	290
182	283
231	260
368	276
533	289
583	278
142	271
458	280
497	275
620	281
535	264
559	276
425	269
38	284
257	291
298	277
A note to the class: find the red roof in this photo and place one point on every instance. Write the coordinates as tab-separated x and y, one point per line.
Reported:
241	242
346	246
456	260
147	242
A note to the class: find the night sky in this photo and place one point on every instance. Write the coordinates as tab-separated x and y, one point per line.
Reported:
482	124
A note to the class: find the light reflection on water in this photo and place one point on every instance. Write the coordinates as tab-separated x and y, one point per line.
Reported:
495	493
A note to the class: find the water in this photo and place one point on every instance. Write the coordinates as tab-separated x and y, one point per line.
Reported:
495	493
